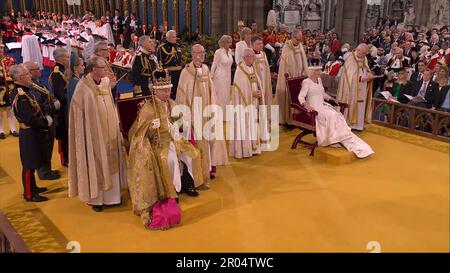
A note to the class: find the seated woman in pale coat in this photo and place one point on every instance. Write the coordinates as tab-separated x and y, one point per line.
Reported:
331	126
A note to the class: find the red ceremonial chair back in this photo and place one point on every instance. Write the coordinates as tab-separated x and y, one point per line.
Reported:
128	111
300	117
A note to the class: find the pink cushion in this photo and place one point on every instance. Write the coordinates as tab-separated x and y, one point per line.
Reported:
165	214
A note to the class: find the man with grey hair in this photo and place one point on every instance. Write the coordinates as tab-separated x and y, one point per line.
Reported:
97	171
58	82
196	91
49	106
398	62
144	64
169	57
101	49
293	62
32	122
247	92
355	88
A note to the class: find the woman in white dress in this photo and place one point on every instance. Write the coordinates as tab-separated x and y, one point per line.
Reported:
246	42
331	127
221	71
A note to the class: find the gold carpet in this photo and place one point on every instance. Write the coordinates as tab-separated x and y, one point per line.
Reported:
282	201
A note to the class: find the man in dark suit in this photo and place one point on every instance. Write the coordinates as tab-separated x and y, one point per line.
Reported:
418	75
126	28
425	91
117	22
442	99
155	34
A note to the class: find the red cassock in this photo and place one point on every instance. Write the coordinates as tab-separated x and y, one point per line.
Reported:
434	60
112	55
269	38
335	46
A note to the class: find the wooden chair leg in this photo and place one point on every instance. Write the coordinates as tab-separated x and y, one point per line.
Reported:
313	149
298	139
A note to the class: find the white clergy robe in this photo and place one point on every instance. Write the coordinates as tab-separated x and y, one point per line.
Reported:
31	50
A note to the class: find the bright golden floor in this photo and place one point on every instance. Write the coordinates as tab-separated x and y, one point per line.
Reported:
282	201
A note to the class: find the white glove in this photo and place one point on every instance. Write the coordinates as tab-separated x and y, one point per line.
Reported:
49	120
156	123
269	47
57	104
277	44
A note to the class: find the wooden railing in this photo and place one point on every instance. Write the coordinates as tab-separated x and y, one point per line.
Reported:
10	241
412	119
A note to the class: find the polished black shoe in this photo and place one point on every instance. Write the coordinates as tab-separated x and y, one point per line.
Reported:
55	172
14	134
50	176
2	136
41	190
37	198
192	193
212	176
97	208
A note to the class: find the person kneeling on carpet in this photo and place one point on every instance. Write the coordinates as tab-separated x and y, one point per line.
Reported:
155	174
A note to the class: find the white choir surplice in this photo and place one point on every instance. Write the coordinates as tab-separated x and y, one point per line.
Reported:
31	50
331	126
106	31
89	46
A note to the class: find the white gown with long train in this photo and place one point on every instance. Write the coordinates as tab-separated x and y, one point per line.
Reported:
331	127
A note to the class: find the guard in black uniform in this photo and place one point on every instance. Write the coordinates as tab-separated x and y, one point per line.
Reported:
49	106
169	56
58	84
144	64
32	123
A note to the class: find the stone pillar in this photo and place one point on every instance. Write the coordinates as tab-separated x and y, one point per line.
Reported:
103	8
233	11
176	15
187	11
119	5
165	12
126	5
155	12
136	8
145	14
350	20
200	16
65	7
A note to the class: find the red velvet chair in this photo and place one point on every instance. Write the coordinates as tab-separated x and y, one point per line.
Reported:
301	118
128	110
